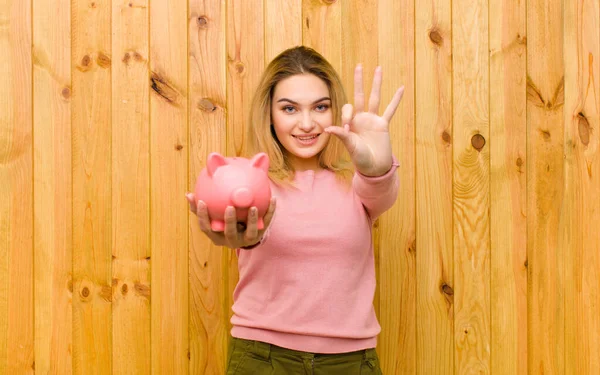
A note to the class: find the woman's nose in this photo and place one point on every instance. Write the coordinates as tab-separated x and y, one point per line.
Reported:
307	123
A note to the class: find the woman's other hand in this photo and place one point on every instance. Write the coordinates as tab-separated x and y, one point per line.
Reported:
236	234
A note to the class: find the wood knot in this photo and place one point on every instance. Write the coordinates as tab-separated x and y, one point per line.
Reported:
93	5
206	105
584	129
412	248
103	60
477	141
446	289
519	162
521	39
106	293
126	58
85	292
526	264
163	88
142	290
130	5
66	92
205	264
202	22
85	62
137	56
546	135
115	281
329	2
70	285
446	137
178	147
307	23
435	37
239	67
124	289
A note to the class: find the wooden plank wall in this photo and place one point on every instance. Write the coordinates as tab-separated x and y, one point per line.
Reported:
489	262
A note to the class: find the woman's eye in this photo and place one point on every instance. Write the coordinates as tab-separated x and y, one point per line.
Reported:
322	107
288	109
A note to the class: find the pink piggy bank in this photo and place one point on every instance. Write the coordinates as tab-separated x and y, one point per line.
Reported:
238	182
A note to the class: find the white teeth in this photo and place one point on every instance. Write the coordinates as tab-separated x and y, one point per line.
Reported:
307	139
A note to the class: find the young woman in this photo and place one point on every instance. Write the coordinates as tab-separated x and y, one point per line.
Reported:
304	300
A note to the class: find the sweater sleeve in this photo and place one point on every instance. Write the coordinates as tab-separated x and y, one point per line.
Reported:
377	194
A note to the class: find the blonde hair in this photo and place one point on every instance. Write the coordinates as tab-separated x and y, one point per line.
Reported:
261	135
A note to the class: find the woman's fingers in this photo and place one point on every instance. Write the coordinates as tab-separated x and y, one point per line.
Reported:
347	114
251	233
345	135
391	108
191	202
375	91
231	232
204	223
359	95
270	212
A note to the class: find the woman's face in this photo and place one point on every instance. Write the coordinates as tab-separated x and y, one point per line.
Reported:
300	110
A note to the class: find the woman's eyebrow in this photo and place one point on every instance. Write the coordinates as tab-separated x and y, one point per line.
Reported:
293	102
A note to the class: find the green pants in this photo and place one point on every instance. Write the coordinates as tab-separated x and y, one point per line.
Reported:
259	358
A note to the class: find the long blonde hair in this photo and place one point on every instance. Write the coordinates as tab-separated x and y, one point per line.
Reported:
261	135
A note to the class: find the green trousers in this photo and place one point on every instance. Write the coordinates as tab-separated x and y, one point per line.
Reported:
258	358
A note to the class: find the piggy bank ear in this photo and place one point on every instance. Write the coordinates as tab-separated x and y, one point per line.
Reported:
215	160
260	160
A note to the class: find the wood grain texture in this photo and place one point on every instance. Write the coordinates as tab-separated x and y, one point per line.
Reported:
283	26
208	309
52	186
508	187
397	257
581	208
130	188
245	64
92	218
169	177
545	187
322	29
16	190
471	206
433	180
362	48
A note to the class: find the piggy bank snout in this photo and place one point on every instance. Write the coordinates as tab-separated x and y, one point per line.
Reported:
242	197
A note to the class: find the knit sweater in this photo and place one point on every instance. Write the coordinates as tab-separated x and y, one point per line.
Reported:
310	283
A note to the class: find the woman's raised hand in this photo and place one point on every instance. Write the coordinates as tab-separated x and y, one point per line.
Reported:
364	133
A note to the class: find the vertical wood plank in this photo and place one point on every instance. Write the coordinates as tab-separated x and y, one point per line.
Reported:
209	318
245	65
283	26
52	186
508	187
581	241
545	187
322	29
397	341
168	182
16	190
131	188
91	109
433	174
362	48
471	186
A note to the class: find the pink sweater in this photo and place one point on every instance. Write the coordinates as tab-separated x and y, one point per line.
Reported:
310	284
